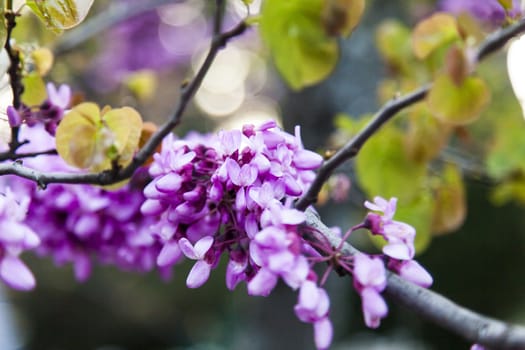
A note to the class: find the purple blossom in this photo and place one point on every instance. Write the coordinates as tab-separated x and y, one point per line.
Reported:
312	307
369	281
201	270
489	11
49	113
15	237
78	223
411	271
234	193
399	235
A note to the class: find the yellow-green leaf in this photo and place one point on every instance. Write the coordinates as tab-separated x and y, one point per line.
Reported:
458	104
3	28
142	84
126	125
512	189
449	201
60	14
384	168
340	17
426	136
418	213
393	42
506	153
507	4
43	60
433	33
89	138
76	136
34	89
301	50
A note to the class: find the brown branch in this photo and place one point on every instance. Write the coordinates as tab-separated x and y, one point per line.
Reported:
472	326
14	71
493	43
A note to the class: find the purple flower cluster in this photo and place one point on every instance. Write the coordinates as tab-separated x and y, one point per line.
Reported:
49	113
82	223
232	193
488	11
370	273
15	237
78	223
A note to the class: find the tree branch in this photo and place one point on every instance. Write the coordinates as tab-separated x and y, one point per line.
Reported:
14	72
110	176
432	306
493	43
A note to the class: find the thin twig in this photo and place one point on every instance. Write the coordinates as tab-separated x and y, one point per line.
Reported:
15	156
472	326
493	43
14	72
110	176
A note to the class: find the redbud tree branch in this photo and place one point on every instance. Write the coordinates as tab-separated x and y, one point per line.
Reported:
219	40
14	71
472	326
493	43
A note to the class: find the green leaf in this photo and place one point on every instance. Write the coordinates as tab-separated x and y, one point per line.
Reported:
3	27
426	136
418	213
43	60
450	208
76	136
89	138
142	84
433	33
506	155
384	169
458	104
340	17
34	89
303	53
126	125
507	4
513	189
393	43
58	15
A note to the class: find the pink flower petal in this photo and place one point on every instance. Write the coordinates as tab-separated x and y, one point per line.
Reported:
374	307
187	249
262	283
16	274
323	333
198	275
170	254
203	245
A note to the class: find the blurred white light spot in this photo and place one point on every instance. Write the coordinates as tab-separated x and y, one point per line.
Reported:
219	104
516	69
258	74
6	99
181	14
255	111
228	71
